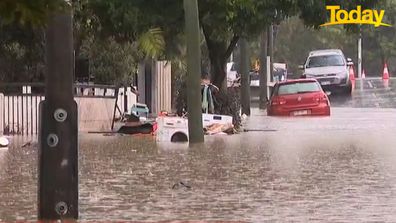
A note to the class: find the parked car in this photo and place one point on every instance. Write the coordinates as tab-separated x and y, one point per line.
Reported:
298	97
330	68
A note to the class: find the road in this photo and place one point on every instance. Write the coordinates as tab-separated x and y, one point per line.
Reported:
310	169
370	93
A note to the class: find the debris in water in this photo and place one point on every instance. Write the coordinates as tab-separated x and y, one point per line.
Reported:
180	184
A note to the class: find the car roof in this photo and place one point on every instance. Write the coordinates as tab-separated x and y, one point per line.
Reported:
325	52
301	80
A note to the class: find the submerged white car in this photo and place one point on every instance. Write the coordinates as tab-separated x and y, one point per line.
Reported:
330	68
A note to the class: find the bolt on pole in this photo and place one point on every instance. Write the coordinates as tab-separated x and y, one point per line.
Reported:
194	108
58	128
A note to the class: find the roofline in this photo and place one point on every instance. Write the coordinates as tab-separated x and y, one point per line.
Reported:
326	51
298	80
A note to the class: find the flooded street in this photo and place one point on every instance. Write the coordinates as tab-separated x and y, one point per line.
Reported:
333	169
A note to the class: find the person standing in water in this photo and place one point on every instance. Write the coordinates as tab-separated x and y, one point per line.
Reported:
208	90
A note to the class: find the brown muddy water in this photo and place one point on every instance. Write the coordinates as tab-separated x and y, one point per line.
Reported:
337	169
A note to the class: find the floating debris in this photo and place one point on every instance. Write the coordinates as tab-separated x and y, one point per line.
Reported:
3	141
181	184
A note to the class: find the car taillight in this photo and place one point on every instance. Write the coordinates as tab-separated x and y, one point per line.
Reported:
278	101
322	99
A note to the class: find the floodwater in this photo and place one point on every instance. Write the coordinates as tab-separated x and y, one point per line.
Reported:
333	169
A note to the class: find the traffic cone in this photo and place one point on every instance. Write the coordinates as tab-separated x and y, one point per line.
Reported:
385	74
353	85
386	83
363	74
351	74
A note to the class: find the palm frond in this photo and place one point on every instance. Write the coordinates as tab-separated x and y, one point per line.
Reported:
152	43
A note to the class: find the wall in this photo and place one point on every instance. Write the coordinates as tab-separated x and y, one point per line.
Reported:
95	114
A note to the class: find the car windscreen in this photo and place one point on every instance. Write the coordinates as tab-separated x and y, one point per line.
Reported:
298	87
325	60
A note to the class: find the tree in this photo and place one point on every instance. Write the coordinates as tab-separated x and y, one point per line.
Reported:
22	38
110	62
305	39
379	44
27	12
22	50
225	22
131	21
22	44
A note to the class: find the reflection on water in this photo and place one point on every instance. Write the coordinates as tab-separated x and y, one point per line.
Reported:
368	93
272	176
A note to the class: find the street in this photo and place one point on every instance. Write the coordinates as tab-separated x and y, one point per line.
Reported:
340	168
371	92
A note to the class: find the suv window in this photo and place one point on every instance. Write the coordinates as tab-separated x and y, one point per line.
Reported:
298	87
325	60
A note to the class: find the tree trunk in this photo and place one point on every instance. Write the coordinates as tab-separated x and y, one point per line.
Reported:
263	70
245	83
218	71
219	52
195	128
216	51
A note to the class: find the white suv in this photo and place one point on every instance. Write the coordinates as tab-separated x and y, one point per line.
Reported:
330	68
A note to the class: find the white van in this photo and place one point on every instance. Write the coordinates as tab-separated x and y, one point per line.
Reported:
330	68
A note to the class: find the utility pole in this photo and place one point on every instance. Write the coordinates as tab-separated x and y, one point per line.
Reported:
58	131
271	50
360	53
245	77
194	104
263	70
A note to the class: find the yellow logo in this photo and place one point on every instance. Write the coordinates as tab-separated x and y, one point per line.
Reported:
357	16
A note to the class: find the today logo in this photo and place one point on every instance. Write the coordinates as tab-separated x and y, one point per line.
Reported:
356	16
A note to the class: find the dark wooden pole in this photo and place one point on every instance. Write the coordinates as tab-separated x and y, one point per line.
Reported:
263	70
194	108
245	77
125	100
58	133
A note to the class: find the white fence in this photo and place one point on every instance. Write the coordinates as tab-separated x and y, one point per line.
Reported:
19	114
1	114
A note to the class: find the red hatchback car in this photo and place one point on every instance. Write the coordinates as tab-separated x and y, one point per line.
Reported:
300	97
